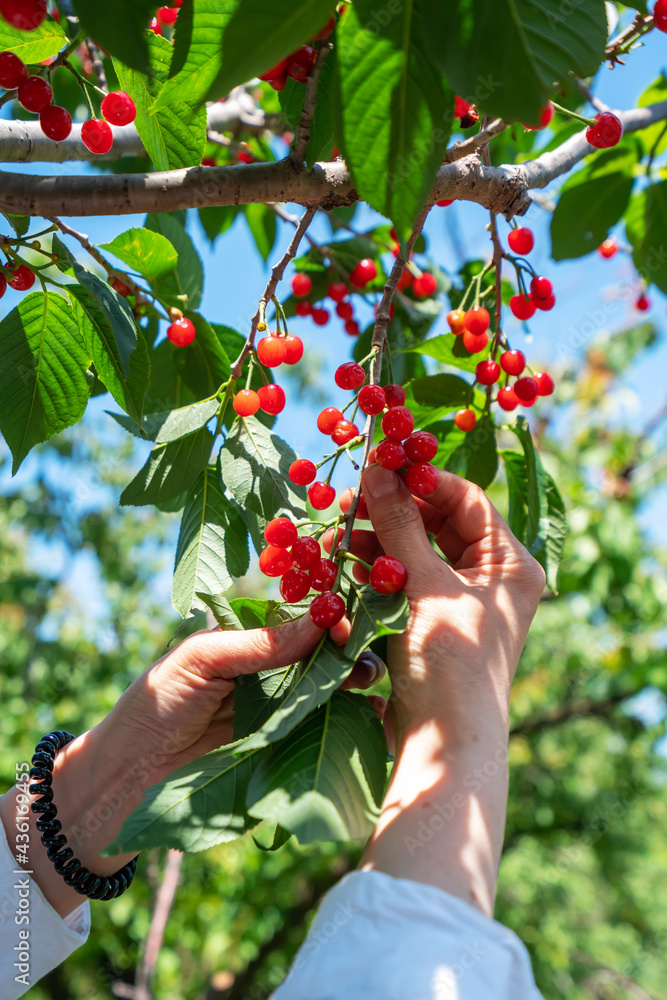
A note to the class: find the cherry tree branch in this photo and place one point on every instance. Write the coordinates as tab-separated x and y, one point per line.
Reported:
503	190
309	104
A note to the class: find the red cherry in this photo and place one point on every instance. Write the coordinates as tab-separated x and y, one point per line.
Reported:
167	15
660	15
540	288
181	332
246	402
278	70
55	122
365	271
120	287
444	202
323	574
326	30
513	362
118	107
522	306
525	389
345	310
274	561
349	376
397	423
320	316
521	241
343	432
487	372
390	454
465	420
321	495
302	472
23	279
271	351
303	308
306	553
352	328
3	284
507	399
405	280
337	291
327	610
394	395
271	398
301	285
371	399
424	286
34	93
643	303
545	304
208	161
12	70
97	136
544	382
456	320
610	246
388	575
421	446
294	585
461	107
278	83
281	532
545	117
474	342
155	26
300	63
391	311
606	131
293	349
23	14
328	419
421	479
362	510
477	320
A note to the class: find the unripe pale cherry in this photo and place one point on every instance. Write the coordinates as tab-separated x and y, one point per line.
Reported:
476	320
119	108
246	402
301	285
388	575
394	395
323	574
34	93
522	306
274	560
465	420
294	585
281	532
327	610
513	362
364	272
271	398
97	136
487	372
293	349
390	454
12	70
525	389
544	383
55	122
421	446
302	471
521	241
371	399
421	479
321	495
181	332
397	423
271	351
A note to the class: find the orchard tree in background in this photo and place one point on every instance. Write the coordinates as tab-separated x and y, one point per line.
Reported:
405	108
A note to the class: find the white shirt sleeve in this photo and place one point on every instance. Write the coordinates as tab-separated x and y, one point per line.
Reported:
34	938
380	938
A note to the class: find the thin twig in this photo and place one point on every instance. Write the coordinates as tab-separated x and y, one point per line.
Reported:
163	904
475	142
97	64
641	24
378	344
96	255
277	272
302	137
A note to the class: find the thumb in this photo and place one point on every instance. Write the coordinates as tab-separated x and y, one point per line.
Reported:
396	518
230	653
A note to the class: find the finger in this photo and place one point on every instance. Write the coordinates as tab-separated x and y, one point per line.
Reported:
397	521
230	653
340	632
469	511
368	670
379	704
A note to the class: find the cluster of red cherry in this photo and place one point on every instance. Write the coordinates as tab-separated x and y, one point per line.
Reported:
361	275
299	563
35	94
22	278
298	65
165	18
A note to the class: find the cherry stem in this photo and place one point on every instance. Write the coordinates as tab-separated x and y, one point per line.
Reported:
353	558
573	114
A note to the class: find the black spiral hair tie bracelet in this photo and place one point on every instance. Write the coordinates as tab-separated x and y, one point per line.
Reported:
74	873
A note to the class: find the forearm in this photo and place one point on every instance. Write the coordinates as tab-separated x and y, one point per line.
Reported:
94	793
443	817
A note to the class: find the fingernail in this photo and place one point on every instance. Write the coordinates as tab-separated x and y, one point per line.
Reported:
380	482
373	663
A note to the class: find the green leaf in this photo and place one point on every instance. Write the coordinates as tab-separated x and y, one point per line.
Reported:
150	254
444	349
376	615
217	219
254	464
203	365
119	28
105	324
517	487
262	225
170	425
448	391
655	136
591	202
170	470
312	684
211	51
198	806
321	143
32	46
256	696
188	277
508	57
392	108
19	223
476	457
43	386
175	136
545	525
327	781
212	545
280	838
646	232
